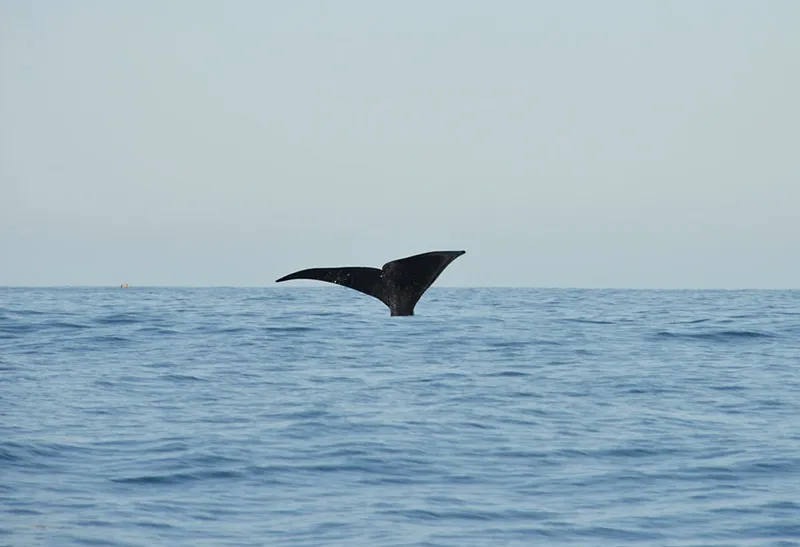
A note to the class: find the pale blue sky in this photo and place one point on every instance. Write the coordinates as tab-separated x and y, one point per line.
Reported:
576	143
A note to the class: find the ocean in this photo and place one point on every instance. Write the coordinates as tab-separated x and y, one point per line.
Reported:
306	416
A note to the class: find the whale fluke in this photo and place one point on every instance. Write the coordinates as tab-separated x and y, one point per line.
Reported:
399	284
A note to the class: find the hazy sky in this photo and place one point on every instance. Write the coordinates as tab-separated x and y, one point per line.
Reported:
576	143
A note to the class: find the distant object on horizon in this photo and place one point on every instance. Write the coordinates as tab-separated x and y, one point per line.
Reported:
399	284
124	286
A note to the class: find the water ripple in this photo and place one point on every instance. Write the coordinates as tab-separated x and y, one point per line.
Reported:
309	417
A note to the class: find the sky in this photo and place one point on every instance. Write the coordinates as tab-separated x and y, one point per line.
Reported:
628	144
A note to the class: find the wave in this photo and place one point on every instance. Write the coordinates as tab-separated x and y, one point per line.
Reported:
109	338
289	329
693	321
506	374
485	515
717	336
176	478
119	319
587	321
182	378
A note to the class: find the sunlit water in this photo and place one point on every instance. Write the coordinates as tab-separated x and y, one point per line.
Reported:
308	416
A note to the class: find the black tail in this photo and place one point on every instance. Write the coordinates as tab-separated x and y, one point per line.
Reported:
399	284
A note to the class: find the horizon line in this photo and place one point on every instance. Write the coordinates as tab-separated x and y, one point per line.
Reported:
535	287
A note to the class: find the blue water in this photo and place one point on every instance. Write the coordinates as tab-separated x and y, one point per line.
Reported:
308	416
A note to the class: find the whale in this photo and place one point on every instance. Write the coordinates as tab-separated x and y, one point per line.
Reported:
399	283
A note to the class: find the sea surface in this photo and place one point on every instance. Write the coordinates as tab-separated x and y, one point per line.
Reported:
307	416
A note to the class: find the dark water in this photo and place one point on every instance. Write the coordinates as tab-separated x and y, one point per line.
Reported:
307	416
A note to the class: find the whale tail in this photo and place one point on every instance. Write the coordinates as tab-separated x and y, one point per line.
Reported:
399	283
